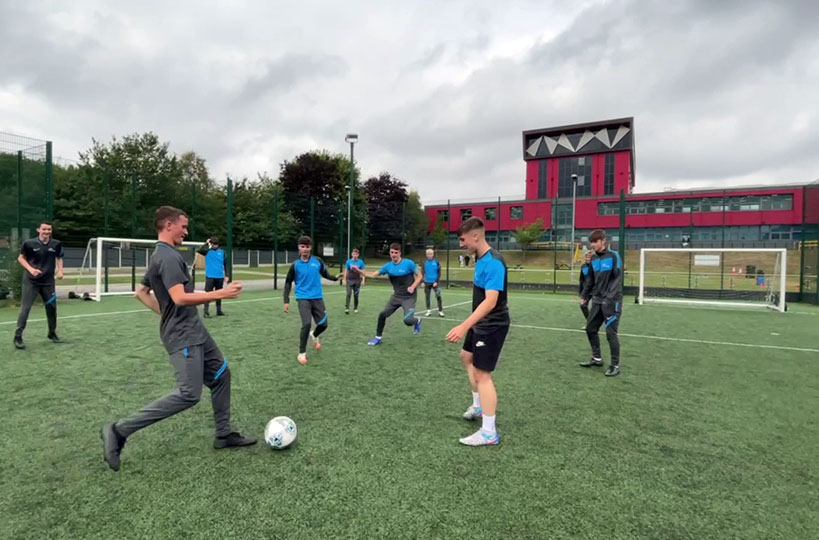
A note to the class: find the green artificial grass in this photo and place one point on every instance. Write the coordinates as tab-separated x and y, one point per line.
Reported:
710	431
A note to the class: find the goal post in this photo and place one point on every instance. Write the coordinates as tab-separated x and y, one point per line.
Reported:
714	276
104	253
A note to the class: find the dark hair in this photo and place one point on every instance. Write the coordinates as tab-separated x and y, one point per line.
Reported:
356	249
45	223
471	224
214	240
167	213
395	246
597	234
305	241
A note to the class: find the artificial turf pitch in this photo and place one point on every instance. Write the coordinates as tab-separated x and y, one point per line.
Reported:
711	431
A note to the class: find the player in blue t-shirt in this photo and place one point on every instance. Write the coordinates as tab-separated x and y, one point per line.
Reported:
307	272
483	332
405	277
353	279
432	275
215	271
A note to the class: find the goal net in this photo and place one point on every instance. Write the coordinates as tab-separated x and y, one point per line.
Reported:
115	266
729	277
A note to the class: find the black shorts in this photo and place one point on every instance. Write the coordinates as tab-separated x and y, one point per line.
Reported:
485	347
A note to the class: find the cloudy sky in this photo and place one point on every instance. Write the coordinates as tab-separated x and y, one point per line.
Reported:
723	92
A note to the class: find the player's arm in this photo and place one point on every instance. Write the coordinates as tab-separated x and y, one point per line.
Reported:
323	273
612	289
25	264
373	274
224	264
484	308
182	298
143	294
588	284
203	249
288	284
61	252
418	277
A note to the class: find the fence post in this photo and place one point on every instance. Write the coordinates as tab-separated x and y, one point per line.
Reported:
133	227
275	237
313	223
20	197
802	246
229	227
403	225
498	217
448	226
49	178
622	245
722	245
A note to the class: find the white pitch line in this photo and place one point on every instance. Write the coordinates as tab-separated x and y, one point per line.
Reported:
661	338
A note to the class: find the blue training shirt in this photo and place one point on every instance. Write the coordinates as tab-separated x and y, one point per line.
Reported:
307	275
215	264
432	270
354	277
402	275
490	275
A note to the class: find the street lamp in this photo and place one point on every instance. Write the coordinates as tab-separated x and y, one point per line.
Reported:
351	138
575	182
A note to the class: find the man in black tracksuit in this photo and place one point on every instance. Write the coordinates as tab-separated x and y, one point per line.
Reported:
39	256
603	287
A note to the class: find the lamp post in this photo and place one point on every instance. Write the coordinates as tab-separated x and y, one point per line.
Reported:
351	138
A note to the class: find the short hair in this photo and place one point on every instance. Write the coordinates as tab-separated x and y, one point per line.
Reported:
471	224
44	222
167	213
395	246
356	249
214	240
597	234
305	241
430	250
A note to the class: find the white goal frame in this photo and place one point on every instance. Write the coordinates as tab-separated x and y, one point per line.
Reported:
98	246
783	264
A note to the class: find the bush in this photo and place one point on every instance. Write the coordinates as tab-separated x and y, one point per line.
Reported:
13	274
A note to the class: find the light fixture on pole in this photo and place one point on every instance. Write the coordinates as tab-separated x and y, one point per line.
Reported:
351	138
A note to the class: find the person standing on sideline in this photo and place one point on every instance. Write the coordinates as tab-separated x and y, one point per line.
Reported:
353	280
484	331
404	277
581	286
39	256
215	271
432	273
603	287
307	272
194	356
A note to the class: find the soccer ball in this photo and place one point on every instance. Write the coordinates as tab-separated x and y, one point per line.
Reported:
280	432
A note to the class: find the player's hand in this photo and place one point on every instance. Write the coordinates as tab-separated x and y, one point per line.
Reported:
36	272
435	285
363	281
456	334
60	274
233	290
582	301
227	280
287	308
411	289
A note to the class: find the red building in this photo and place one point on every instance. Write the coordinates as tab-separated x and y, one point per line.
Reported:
602	155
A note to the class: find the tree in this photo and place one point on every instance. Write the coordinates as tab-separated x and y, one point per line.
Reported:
386	196
439	234
526	234
416	221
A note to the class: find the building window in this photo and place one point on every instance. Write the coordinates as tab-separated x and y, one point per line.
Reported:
466	213
563	215
443	215
489	213
749	203
608	177
516	212
541	179
582	167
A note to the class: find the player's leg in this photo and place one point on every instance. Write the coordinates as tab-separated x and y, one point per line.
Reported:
593	323
392	305
48	293
319	312
27	299
347	300
487	349
356	292
306	314
440	301
218	283
210	283
584	309
188	365
612	326
427	287
216	376
408	305
467	353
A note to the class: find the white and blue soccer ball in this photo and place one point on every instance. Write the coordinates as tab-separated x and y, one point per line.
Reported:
280	432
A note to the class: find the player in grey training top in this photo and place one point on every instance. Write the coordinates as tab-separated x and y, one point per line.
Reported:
194	355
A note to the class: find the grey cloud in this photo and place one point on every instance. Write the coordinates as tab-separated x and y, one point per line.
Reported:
285	72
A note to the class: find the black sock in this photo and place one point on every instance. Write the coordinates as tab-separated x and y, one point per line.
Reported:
120	438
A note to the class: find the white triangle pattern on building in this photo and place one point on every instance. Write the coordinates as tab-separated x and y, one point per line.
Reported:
584	140
563	141
534	147
551	144
603	137
621	132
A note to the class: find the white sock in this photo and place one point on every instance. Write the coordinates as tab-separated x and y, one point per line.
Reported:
476	400
377	337
598	359
488	424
